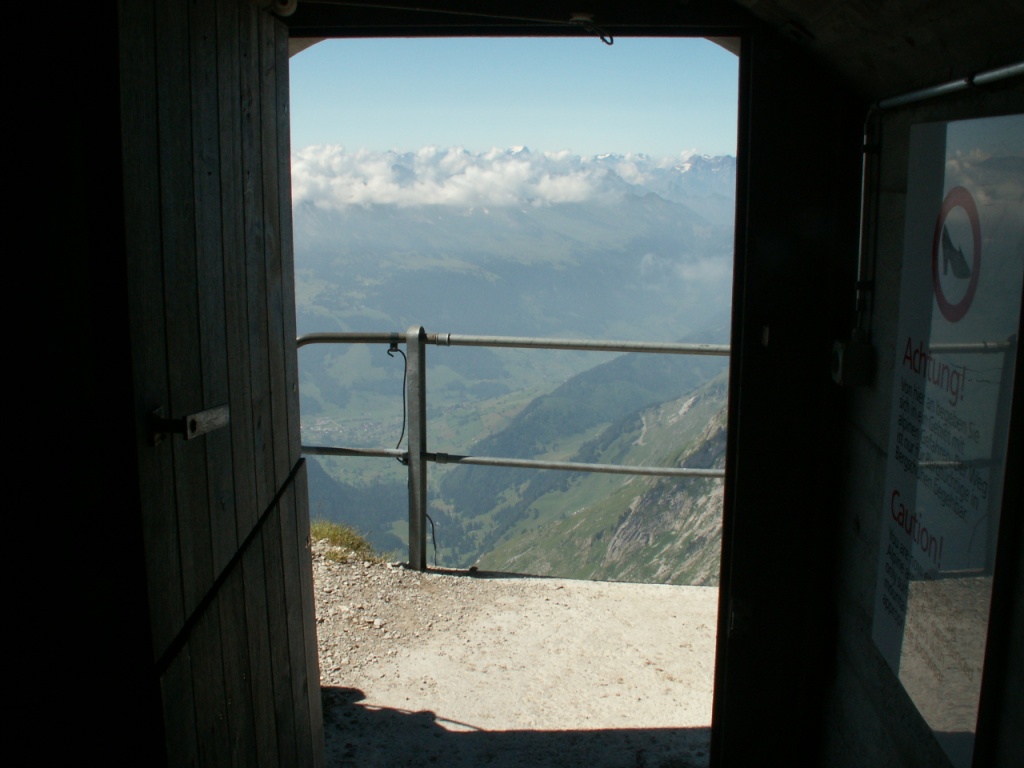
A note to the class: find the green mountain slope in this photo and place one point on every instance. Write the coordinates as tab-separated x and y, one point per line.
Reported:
589	418
626	411
663	530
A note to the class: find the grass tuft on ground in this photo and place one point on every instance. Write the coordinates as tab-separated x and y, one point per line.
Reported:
349	541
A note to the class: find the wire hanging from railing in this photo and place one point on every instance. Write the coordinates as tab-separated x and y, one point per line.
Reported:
405	460
405	378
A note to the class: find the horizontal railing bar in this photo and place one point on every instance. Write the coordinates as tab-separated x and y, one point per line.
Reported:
597	345
522	342
350	337
324	450
976	346
573	466
493	461
518	342
959	463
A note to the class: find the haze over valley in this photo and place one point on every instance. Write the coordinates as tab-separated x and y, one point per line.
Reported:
521	242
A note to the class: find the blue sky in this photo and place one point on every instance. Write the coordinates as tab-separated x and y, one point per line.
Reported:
662	97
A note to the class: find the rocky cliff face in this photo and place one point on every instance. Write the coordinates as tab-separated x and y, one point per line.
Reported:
642	529
672	532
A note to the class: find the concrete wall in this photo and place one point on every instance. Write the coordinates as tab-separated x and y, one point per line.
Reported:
871	718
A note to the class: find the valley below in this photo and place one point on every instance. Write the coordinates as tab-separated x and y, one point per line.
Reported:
645	255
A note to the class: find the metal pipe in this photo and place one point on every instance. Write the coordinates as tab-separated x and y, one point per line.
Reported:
1000	73
572	466
524	342
520	342
416	399
493	461
957	463
975	346
325	450
347	337
982	78
866	232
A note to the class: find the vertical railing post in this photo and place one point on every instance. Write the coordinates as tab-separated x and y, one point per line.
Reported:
416	372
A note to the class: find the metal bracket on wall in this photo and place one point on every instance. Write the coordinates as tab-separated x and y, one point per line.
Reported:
192	425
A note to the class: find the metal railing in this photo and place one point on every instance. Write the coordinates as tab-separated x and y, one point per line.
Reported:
417	456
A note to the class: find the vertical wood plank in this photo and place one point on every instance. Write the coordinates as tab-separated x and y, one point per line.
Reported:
229	31
295	513
180	292
255	270
210	272
311	650
246	661
301	619
238	690
274	298
212	729
146	314
293	577
179	86
255	576
307	657
180	711
284	166
284	705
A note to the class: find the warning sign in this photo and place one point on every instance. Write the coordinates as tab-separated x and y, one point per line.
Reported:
952	389
951	256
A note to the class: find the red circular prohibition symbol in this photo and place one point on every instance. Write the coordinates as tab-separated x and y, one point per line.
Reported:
958	197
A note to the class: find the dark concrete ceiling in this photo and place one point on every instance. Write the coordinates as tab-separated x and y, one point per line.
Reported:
888	47
882	48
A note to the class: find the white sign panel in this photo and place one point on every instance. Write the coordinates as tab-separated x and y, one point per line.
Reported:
960	300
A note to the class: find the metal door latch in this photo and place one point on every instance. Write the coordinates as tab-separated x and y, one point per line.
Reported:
192	425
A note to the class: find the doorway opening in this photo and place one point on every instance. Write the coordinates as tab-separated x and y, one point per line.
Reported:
541	188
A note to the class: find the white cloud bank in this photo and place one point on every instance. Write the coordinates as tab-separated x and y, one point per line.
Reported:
331	177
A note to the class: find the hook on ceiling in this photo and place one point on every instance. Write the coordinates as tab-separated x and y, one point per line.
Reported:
585	21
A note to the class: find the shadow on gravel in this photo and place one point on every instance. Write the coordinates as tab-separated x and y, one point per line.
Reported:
360	735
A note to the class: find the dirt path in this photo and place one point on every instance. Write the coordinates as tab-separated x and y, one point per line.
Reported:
456	669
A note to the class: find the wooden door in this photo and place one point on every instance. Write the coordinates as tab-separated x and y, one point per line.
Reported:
204	104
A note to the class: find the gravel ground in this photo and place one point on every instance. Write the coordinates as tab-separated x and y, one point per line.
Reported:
459	668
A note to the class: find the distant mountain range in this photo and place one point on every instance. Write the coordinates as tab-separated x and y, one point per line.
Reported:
329	177
644	253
